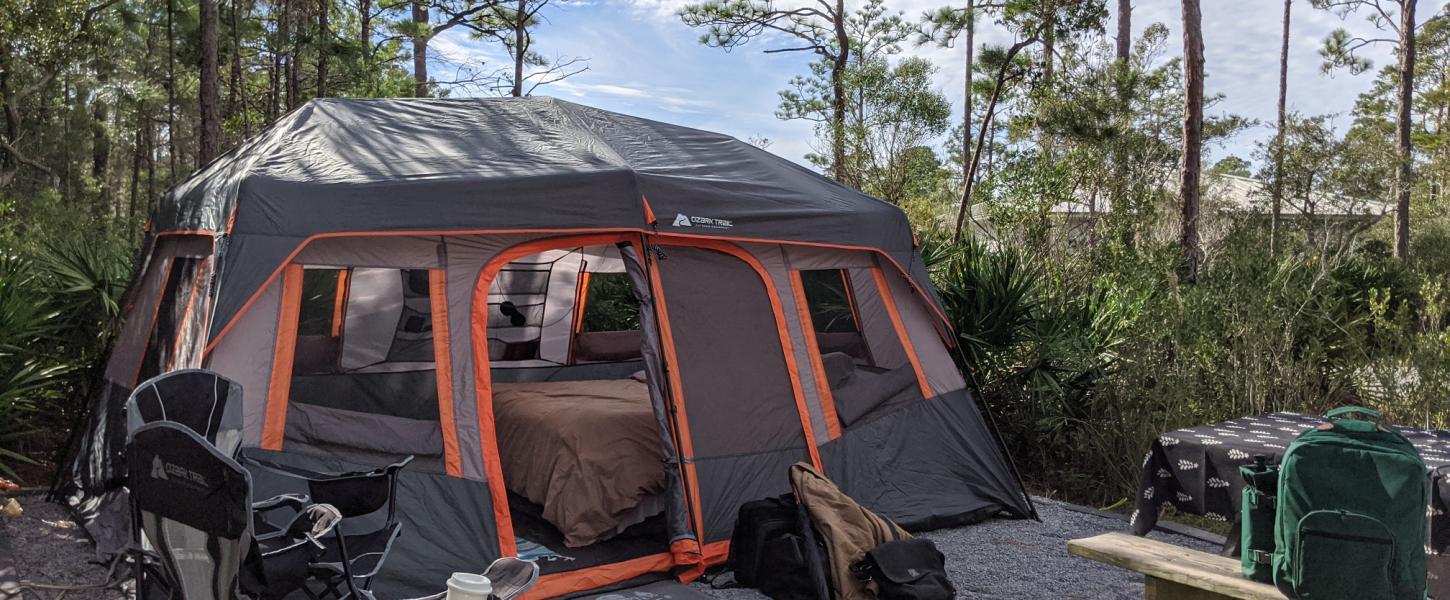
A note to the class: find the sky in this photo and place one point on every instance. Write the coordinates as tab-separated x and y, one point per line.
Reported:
643	61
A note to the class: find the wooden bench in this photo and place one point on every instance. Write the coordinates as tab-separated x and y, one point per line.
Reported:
1173	571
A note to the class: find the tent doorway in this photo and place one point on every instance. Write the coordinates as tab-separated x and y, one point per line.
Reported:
580	446
739	396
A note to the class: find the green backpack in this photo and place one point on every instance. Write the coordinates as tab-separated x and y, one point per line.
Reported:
1351	516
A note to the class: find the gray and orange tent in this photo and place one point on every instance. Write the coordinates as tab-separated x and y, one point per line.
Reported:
599	334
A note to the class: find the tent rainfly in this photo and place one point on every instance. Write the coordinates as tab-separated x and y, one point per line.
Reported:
599	334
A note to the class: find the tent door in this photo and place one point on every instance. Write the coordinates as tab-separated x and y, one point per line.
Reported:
738	398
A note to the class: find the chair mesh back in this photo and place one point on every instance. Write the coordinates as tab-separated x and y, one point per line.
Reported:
194	508
353	495
200	565
203	401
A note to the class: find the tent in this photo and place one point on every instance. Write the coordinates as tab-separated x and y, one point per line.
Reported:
599	334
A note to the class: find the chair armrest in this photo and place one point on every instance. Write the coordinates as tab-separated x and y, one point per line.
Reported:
296	502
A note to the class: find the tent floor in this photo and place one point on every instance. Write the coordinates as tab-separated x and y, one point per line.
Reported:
639	540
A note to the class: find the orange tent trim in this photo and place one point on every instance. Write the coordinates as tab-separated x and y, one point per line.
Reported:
274	422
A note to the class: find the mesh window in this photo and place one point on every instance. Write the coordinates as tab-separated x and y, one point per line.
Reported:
176	302
362	319
363	363
516	308
610	304
833	313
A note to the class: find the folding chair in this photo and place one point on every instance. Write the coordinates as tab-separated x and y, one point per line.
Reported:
203	401
359	546
193	503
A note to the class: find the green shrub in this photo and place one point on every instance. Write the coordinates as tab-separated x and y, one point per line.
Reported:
1085	354
59	293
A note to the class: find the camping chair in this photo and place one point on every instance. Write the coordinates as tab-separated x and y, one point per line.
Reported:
360	546
203	401
194	505
209	404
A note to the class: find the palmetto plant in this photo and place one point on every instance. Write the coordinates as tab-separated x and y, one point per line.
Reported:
991	296
58	308
25	378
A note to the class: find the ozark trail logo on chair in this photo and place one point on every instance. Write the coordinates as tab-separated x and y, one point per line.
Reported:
683	220
165	471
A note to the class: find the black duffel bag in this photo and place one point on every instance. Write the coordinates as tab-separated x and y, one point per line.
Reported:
906	570
775	548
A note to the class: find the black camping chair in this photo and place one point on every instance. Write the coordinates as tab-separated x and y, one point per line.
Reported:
204	401
194	506
209	404
360	546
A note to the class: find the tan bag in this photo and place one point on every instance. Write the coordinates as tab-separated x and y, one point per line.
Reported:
847	529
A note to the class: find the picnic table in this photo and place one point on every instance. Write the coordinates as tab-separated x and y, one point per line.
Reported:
1196	470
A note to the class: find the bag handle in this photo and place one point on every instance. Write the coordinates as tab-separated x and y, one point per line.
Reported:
1337	413
1371	422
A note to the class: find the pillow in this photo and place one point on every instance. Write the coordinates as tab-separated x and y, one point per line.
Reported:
839	368
866	393
607	346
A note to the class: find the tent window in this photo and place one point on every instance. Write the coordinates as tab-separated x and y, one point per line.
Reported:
833	313
181	284
363	359
317	316
363	320
610	304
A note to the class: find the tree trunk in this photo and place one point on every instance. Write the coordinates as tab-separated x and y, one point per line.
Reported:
365	38
1405	97
285	57
101	142
171	87
997	86
294	86
1277	195
1049	60
150	165
234	78
420	50
521	48
211	127
137	143
838	93
1125	30
1188	172
324	45
967	102
9	163
274	77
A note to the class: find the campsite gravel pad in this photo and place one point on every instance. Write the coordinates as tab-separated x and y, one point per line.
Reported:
1000	558
1196	469
1012	559
49	548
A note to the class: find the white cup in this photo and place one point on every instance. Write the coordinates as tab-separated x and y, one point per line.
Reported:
469	586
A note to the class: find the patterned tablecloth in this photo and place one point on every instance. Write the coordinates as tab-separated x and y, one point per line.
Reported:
1197	471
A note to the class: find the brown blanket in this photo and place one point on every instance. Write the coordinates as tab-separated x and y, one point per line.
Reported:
587	451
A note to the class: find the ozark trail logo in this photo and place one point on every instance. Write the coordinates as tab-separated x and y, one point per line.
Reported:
166	471
684	220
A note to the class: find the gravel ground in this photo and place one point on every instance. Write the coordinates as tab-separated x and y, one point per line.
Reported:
1004	558
996	559
50	549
